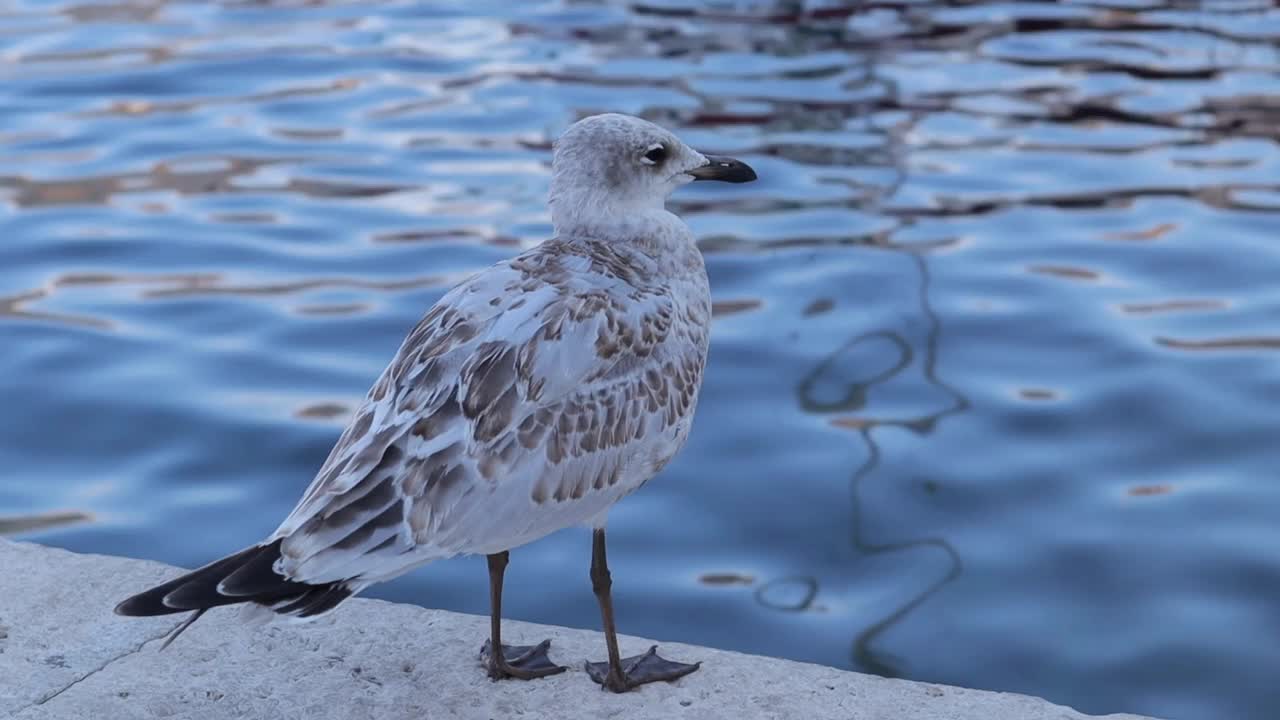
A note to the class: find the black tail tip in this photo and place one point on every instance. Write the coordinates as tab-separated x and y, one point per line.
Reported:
247	576
146	604
132	607
199	589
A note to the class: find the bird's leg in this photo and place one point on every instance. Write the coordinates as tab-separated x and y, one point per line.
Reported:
525	662
622	674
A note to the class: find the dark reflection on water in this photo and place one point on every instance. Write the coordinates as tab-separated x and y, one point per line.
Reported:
199	180
992	391
13	525
854	400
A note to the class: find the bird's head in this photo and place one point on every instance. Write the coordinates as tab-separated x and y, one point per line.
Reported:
618	163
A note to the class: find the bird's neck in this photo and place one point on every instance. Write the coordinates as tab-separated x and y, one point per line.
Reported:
656	234
593	215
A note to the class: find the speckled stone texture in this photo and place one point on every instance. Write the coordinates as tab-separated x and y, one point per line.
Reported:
64	655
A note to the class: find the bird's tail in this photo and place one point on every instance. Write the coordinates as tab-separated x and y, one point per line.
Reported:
247	576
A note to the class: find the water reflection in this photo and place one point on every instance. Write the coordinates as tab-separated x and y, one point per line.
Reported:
852	413
716	579
720	308
213	285
324	411
14	307
1170	306
1154	233
27	524
162	286
135	108
1229	343
219	175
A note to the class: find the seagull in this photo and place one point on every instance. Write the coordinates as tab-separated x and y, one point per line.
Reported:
531	397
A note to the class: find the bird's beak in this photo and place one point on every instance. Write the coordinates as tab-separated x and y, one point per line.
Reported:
725	169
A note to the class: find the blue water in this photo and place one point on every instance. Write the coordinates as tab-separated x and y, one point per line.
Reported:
993	389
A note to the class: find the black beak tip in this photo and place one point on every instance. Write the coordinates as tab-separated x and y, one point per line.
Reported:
724	169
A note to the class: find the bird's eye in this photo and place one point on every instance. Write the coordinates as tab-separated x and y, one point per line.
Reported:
655	155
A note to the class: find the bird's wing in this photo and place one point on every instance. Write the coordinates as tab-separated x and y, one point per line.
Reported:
530	397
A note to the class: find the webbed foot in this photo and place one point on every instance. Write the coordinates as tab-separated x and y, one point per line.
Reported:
638	670
524	662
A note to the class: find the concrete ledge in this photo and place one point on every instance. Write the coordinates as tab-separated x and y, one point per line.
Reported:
64	655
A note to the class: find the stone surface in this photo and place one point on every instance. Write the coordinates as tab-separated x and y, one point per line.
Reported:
64	655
